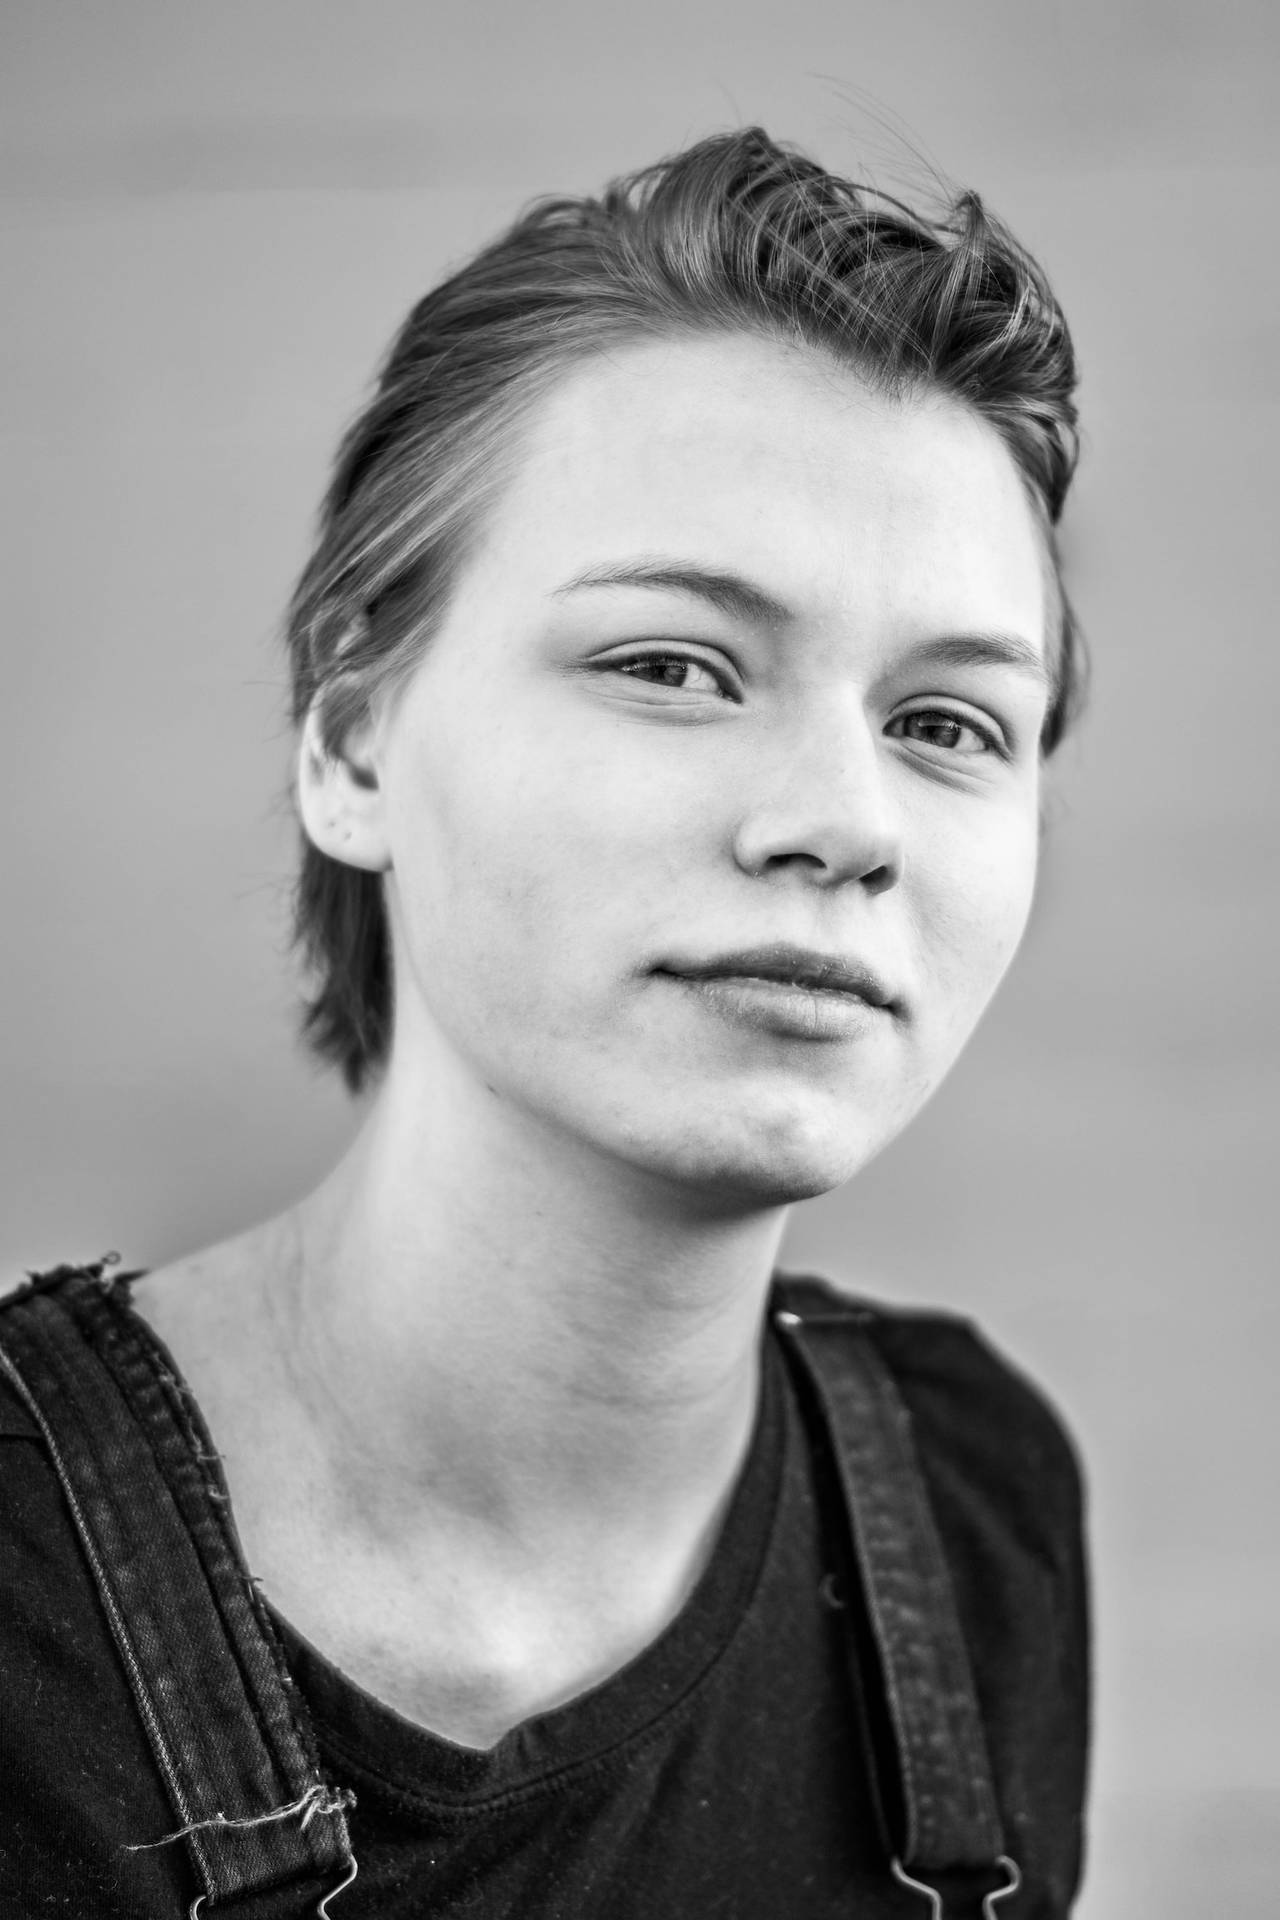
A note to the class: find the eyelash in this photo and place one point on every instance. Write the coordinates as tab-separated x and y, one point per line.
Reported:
992	742
944	717
670	656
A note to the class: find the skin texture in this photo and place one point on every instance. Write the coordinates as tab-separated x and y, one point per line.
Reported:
482	1396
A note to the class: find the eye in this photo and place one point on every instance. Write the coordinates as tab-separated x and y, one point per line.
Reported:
682	672
952	733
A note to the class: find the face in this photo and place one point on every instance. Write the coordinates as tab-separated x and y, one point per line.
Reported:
710	814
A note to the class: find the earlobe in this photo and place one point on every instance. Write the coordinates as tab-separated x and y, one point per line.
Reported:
340	799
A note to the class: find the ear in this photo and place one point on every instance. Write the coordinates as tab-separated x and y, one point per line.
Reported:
340	796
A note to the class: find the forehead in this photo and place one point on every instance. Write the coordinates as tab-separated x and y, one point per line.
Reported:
766	460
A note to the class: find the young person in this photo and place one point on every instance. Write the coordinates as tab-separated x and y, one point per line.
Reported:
493	1532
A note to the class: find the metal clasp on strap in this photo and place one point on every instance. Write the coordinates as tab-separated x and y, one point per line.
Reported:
1013	1880
322	1911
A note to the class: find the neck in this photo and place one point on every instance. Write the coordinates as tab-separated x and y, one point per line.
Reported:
534	1338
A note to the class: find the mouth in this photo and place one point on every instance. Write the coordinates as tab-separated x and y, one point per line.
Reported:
795	967
788	991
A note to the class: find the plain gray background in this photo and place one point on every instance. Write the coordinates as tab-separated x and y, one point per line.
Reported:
213	217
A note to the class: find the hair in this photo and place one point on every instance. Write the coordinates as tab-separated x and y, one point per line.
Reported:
735	234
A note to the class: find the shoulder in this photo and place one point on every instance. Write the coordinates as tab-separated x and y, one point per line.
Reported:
1004	1487
20	1418
989	1439
79	1777
199	1308
205	1306
224	1270
941	1359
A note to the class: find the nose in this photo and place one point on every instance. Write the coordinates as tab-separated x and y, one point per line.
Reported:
820	807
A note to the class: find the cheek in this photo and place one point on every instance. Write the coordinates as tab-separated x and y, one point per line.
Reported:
972	907
524	856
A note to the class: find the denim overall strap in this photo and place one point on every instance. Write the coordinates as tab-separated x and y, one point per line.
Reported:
229	1733
951	1844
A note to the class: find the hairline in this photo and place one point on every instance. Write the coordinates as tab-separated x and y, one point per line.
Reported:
502	426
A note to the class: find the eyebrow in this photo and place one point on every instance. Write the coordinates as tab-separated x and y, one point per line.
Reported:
741	599
985	650
729	593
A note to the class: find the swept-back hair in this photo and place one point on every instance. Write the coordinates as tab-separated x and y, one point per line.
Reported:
736	234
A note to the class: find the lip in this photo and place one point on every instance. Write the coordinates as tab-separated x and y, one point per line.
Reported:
791	991
789	966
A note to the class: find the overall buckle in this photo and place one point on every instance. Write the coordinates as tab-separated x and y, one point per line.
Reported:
990	1901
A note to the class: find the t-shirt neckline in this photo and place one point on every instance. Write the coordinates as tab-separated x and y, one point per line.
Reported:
419	1765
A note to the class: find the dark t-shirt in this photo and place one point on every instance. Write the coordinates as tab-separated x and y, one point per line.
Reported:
724	1772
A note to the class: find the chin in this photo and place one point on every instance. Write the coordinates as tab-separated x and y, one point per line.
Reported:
761	1162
